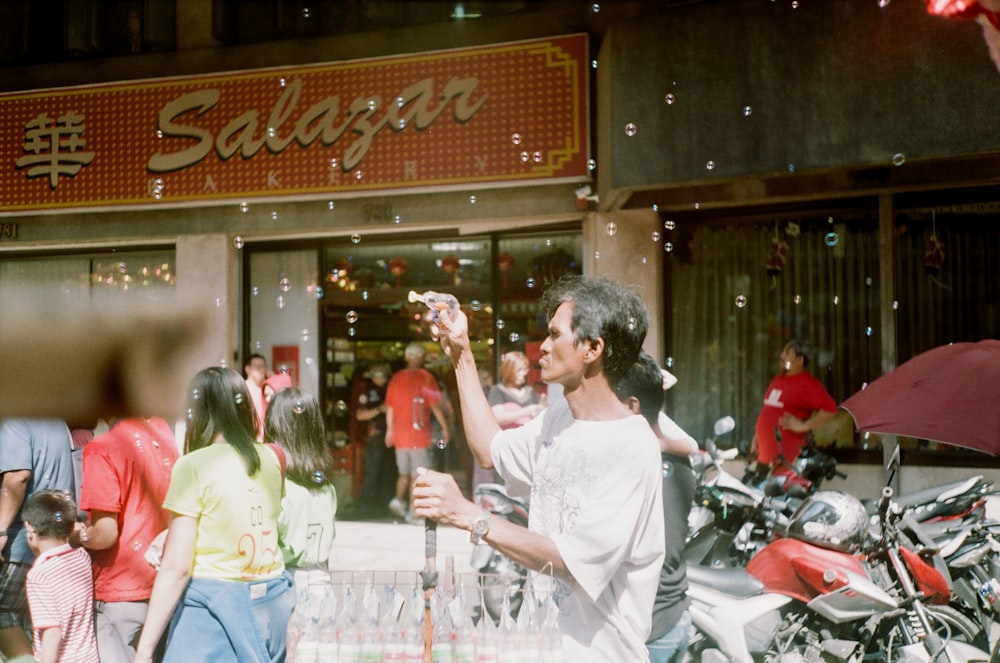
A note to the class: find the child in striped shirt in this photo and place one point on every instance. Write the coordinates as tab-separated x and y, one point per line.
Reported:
60	584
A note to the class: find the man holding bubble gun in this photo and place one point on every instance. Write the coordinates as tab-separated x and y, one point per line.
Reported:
591	466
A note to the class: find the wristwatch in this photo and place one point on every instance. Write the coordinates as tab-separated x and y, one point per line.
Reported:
480	527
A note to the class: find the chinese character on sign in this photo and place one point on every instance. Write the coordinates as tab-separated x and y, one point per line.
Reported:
53	147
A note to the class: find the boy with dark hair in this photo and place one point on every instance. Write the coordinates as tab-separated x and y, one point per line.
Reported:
60	583
643	389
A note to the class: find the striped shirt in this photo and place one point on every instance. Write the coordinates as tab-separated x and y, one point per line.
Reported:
61	593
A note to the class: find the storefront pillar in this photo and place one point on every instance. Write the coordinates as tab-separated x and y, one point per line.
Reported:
620	245
207	279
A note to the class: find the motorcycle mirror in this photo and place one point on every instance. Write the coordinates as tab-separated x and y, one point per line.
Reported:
729	454
724	425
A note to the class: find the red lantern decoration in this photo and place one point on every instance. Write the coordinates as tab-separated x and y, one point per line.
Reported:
505	261
450	265
397	267
775	263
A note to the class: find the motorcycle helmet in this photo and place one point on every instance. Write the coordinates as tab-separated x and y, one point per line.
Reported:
830	519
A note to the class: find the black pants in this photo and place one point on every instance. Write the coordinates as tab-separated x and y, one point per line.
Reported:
378	484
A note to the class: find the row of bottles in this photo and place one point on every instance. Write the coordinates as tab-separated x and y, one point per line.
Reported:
354	624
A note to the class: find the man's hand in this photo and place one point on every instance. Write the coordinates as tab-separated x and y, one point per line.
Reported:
452	329
793	423
438	497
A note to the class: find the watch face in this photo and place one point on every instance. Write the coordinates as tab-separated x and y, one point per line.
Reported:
480	526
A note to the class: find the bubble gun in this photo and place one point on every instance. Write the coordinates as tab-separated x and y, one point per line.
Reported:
435	301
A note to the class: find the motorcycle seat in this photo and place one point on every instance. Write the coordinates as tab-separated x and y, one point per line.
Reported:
928	495
735	582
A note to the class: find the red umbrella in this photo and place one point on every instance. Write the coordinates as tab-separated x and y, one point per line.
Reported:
950	394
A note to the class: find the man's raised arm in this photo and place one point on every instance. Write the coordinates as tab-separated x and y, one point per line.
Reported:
480	424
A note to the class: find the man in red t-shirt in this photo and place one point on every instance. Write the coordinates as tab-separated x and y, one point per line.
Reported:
126	472
794	404
411	398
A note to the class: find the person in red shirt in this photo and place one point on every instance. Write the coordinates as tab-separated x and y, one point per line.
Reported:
411	398
126	472
794	404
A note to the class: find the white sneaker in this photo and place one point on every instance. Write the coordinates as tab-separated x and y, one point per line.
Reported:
398	507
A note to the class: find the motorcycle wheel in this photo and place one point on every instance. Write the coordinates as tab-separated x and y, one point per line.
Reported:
950	622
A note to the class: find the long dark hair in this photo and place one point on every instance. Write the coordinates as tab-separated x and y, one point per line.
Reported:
293	420
219	404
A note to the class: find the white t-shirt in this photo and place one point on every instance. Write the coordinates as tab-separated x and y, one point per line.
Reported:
596	491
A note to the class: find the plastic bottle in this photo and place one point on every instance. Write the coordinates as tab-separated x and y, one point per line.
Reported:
393	649
296	622
486	639
307	648
329	651
443	639
413	644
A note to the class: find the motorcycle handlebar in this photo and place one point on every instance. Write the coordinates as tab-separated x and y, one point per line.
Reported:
883	505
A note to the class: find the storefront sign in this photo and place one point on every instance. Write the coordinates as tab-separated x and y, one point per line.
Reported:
504	114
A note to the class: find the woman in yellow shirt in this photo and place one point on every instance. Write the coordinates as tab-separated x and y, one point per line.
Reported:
221	584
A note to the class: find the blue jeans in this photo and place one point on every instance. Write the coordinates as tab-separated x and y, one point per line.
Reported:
229	621
672	645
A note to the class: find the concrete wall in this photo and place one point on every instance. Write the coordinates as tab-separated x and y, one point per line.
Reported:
832	84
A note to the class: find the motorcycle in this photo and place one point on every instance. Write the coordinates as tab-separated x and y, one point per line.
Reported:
501	579
799	478
729	520
832	590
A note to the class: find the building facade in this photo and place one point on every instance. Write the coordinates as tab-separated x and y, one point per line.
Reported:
759	170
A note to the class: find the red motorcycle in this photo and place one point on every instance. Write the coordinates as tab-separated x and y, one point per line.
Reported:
835	589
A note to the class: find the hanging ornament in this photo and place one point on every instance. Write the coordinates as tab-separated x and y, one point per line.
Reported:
775	263
397	267
934	255
450	264
505	261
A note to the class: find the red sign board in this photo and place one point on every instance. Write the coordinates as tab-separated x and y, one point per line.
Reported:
495	115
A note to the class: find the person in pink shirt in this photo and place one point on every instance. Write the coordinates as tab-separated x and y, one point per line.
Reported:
255	372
